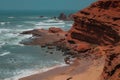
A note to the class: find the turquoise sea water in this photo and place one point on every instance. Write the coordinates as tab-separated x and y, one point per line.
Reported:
17	60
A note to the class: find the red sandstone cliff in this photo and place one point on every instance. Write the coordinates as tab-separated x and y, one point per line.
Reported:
98	24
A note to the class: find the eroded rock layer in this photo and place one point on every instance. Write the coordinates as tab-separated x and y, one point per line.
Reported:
98	24
111	70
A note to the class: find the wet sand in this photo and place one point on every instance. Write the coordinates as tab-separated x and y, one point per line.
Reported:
85	69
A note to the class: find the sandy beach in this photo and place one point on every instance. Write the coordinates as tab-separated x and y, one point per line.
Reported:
85	69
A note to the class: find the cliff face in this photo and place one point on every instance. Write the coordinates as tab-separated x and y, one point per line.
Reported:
111	69
98	24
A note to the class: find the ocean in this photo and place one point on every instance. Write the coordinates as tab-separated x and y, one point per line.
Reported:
18	60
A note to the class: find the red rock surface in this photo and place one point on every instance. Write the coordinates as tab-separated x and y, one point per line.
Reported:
45	37
111	70
98	24
55	30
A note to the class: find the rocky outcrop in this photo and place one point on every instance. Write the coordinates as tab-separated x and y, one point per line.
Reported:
63	16
98	24
55	30
45	37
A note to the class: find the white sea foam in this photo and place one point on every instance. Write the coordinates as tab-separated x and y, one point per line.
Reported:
46	27
11	17
48	24
1	44
19	25
20	38
24	73
3	23
31	22
16	39
53	20
3	29
4	53
69	24
11	37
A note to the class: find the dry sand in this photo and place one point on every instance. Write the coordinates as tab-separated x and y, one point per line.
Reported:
85	69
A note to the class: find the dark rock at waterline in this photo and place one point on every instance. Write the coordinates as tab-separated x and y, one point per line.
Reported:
41	16
63	16
50	47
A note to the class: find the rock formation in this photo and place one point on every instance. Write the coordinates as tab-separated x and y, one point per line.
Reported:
98	24
45	37
111	70
96	30
63	16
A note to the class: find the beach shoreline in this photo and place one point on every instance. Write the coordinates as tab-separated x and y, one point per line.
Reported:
79	69
31	72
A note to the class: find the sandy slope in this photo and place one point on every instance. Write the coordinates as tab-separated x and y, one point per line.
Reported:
85	69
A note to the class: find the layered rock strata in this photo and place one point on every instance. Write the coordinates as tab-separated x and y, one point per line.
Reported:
98	24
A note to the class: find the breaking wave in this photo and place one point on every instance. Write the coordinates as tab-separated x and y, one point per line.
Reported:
5	53
27	72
